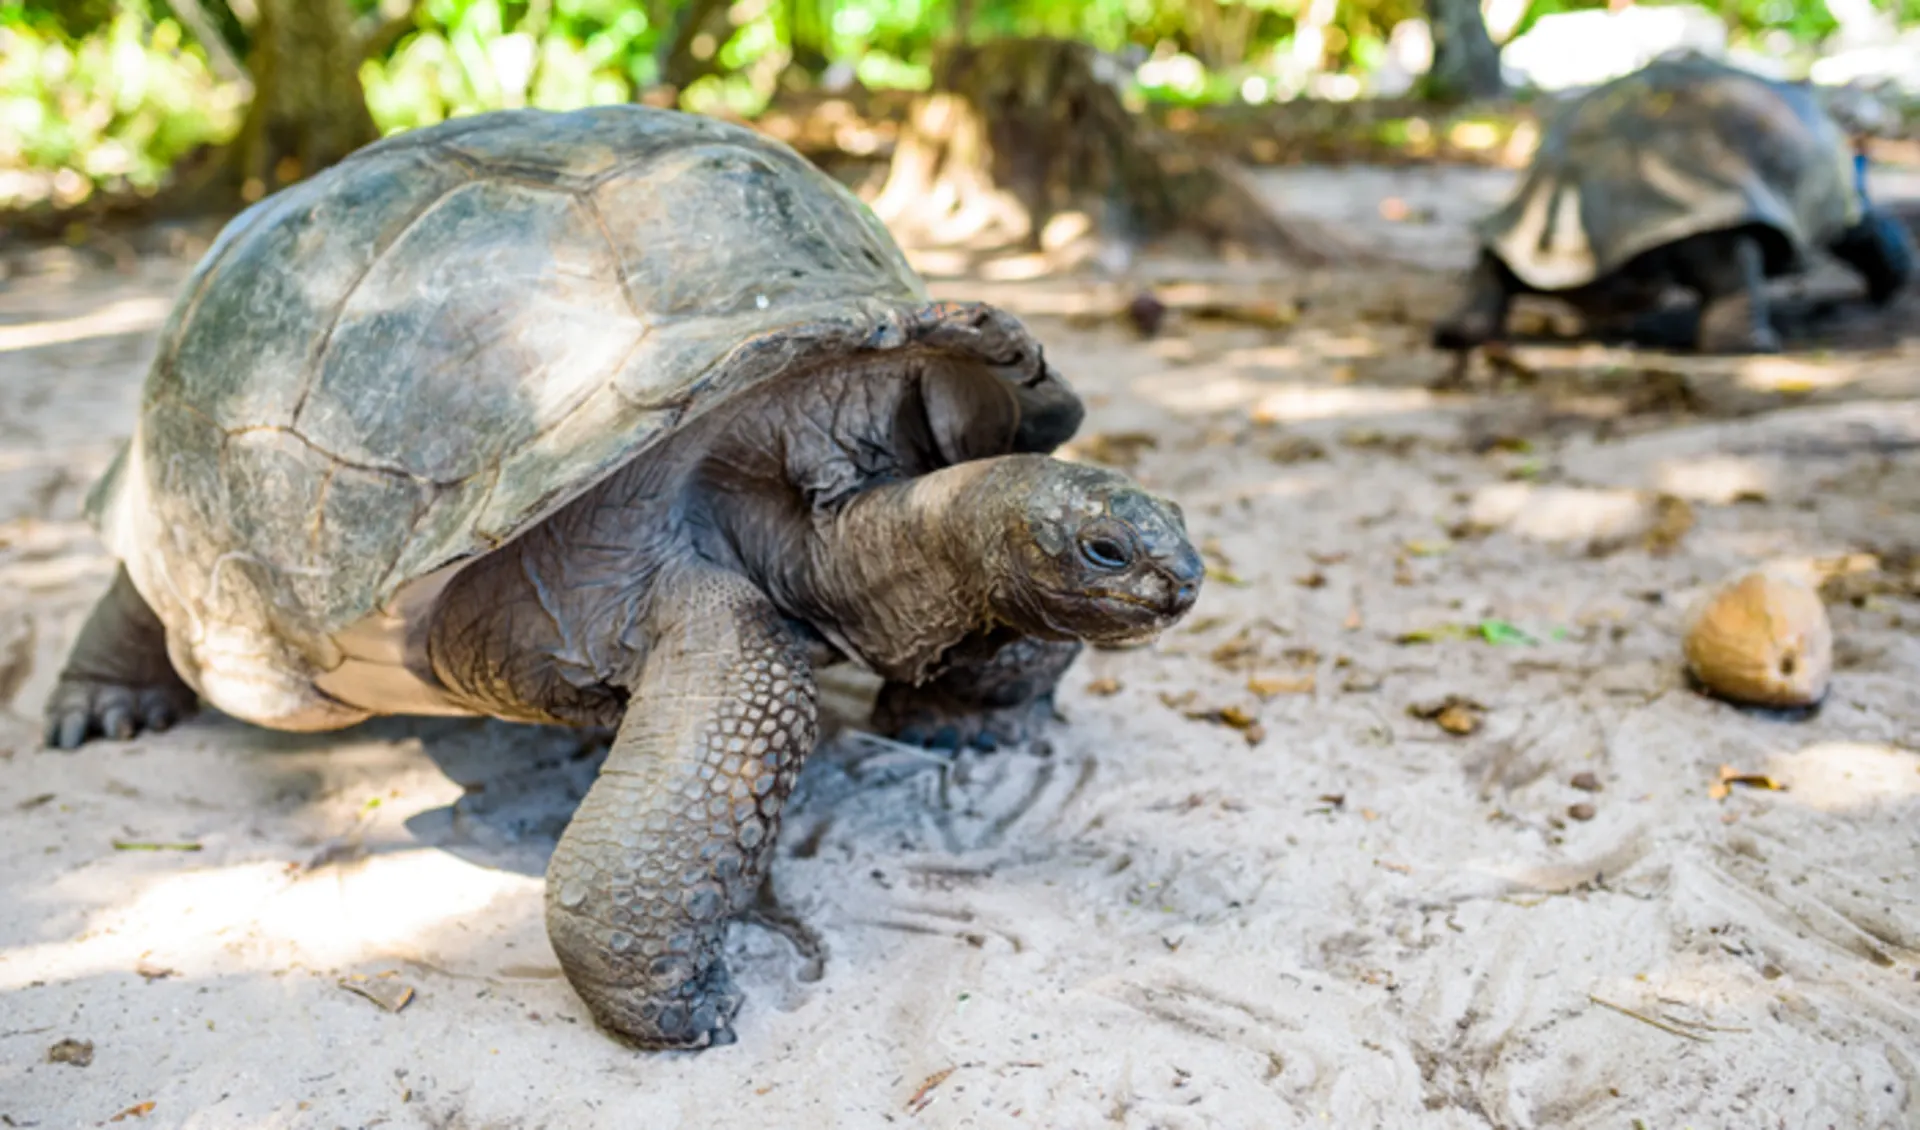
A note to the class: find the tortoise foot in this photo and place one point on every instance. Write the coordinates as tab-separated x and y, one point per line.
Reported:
1731	328
84	708
697	1013
1463	334
929	717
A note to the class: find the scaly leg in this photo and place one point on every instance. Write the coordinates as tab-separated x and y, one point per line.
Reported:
118	679
1729	274
994	691
674	838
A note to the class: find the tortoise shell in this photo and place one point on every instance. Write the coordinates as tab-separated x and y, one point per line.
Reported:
402	363
1684	146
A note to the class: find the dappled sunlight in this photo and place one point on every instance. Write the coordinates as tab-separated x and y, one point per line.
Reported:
1688	989
29	458
128	315
264	917
1847	776
1563	514
1266	357
1345	347
36	537
45	574
1717	479
1291	486
1794	375
1189	394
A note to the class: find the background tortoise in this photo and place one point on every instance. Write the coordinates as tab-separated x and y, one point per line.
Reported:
619	417
1689	172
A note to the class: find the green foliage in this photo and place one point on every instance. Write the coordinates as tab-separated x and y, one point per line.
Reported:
111	92
476	55
113	106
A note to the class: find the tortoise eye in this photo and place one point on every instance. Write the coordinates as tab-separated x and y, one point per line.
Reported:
1105	553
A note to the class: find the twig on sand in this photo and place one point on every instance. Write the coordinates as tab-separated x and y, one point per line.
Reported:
1645	1019
923	1097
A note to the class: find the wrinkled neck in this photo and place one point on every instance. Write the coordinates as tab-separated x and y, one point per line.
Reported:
905	571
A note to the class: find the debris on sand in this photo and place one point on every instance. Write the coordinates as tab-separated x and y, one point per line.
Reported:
1218	567
1672	519
923	1098
1115	449
152	971
1729	777
1273	686
137	1110
1455	714
1296	449
1500	633
383	989
1235	718
77	1053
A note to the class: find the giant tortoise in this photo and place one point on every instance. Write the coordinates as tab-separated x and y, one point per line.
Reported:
1688	172
618	418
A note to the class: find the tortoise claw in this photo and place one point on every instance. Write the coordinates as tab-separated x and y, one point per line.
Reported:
84	708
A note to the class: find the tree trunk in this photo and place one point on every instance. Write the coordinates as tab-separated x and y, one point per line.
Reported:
308	108
680	67
1023	145
1466	64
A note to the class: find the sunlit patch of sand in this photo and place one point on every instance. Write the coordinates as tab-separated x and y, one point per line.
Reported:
257	916
129	315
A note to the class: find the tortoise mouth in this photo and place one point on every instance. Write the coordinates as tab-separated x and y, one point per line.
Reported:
1129	619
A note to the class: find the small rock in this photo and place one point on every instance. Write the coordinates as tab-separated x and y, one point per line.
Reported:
1581	811
1585	782
1147	313
79	1053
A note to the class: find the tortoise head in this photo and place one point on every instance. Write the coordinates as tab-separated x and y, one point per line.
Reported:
1091	556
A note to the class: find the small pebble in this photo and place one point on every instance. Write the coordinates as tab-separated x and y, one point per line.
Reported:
1581	811
1585	782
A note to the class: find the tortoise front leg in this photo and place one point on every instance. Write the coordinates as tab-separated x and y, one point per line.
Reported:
1879	249
1729	274
118	679
995	690
675	836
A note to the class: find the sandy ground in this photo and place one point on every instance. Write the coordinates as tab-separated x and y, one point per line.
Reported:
1335	913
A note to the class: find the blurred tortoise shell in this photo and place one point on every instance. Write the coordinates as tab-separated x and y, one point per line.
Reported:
1684	146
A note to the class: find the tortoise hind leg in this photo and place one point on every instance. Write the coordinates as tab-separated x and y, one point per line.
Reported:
674	838
1728	272
118	679
1482	316
995	692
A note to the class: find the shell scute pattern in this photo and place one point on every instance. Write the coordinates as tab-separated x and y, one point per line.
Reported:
243	354
493	316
